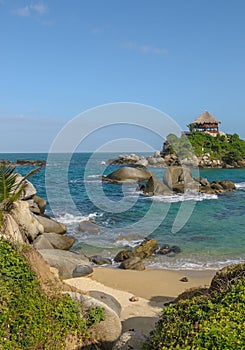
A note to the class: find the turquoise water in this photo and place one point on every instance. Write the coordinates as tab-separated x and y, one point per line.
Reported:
213	235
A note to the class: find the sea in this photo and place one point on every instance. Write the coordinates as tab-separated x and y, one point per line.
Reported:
209	229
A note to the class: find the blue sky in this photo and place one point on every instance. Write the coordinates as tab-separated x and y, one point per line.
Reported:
59	58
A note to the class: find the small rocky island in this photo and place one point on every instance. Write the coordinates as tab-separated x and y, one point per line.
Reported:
203	146
176	179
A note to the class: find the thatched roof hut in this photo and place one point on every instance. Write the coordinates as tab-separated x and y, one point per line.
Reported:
206	122
206	118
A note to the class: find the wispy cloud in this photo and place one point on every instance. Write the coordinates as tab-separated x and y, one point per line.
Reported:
32	9
144	48
23	11
39	8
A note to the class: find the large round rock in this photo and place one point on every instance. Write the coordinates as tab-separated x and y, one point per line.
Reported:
106	332
128	175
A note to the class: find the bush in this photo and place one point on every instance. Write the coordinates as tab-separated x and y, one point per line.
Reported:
214	321
229	148
30	318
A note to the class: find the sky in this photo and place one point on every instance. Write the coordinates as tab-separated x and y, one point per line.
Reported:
59	58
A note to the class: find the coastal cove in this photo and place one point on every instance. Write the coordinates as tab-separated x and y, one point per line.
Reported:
212	237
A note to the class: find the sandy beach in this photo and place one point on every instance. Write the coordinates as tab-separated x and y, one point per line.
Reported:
153	288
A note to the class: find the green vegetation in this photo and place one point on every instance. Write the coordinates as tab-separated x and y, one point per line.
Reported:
213	321
228	148
10	189
29	317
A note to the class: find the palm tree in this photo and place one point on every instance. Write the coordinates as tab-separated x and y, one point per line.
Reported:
10	188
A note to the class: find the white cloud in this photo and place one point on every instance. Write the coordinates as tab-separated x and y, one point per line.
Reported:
30	10
39	8
23	11
145	48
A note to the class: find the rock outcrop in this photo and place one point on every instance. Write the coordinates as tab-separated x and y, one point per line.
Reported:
106	332
127	175
69	264
89	227
132	259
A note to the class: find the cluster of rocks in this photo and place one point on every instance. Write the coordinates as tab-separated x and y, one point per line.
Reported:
139	161
131	259
27	223
175	180
166	158
23	162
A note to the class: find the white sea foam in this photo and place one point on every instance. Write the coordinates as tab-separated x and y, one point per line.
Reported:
126	243
198	197
70	219
172	264
240	185
94	176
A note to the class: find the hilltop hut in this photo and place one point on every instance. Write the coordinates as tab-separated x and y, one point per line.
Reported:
205	123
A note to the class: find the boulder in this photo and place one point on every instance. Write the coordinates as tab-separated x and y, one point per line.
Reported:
29	191
51	225
41	203
133	263
130	340
146	248
41	242
99	260
105	332
123	255
11	230
165	249
175	175
108	299
33	207
26	220
142	251
59	241
128	175
142	162
175	249
227	185
89	227
68	263
82	271
156	187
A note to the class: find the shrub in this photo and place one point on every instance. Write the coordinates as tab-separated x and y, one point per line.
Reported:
30	318
214	321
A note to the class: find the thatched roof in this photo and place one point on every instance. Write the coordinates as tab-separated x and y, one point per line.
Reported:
205	118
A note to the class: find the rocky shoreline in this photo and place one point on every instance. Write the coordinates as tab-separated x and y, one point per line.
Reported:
23	162
161	159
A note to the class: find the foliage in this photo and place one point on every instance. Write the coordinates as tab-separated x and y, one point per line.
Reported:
228	147
96	314
204	322
10	188
30	318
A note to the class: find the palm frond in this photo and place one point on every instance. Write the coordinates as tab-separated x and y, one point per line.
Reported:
10	188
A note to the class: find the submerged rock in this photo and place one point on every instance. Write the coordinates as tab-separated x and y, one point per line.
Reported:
89	227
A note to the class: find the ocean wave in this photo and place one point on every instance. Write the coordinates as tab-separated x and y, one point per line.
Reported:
240	185
70	219
127	243
192	265
94	176
197	197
